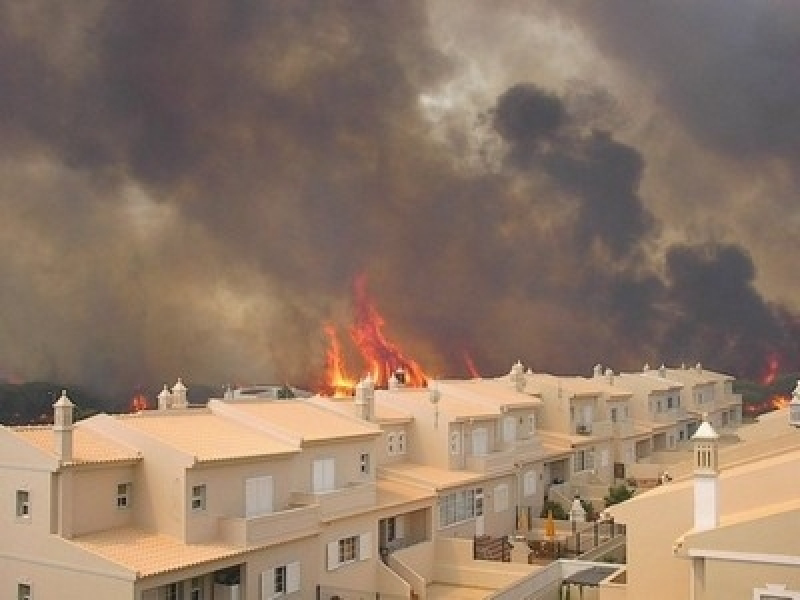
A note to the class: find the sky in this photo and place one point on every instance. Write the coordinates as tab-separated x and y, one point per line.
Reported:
190	189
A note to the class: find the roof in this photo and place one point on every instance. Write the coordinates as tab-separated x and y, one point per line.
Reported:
88	446
204	435
433	478
149	553
310	420
499	392
705	432
572	385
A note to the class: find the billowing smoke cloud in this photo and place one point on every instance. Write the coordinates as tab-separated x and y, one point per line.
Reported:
189	189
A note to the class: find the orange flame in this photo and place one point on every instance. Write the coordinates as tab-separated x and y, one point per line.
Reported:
779	401
473	371
773	367
383	358
139	403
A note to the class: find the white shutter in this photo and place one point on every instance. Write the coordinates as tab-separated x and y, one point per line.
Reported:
293	577
480	441
509	429
604	458
323	475
529	483
333	555
398	527
587	415
258	496
365	546
501	498
267	584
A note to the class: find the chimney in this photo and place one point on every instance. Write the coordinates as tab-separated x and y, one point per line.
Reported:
393	382
610	376
646	367
598	370
179	395
517	376
365	398
662	371
164	399
794	407
699	368
62	427
706	471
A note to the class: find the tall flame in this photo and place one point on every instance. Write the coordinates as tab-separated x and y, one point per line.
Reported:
773	367
139	403
473	370
383	359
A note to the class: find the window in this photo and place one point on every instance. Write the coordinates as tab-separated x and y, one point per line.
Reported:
613	415
349	549
258	496
364	467
583	460
775	592
460	506
171	591
532	424
455	443
24	591
23	504
281	580
199	497
480	441
390	444
509	429
401	442
123	495
394	529
196	589
323	475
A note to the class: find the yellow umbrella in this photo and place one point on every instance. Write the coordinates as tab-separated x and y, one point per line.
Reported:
550	526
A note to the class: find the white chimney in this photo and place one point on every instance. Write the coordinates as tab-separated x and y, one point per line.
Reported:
179	395
610	376
518	376
706	483
365	398
62	426
164	399
598	370
662	371
794	407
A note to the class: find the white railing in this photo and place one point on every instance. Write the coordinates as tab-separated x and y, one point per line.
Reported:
351	496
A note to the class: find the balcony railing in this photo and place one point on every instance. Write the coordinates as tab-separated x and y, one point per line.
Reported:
672	415
353	495
595	428
516	451
272	527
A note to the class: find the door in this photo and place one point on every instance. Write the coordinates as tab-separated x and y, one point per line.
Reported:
480	441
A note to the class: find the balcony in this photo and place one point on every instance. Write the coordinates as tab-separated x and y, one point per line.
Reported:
595	428
513	452
673	415
273	527
353	495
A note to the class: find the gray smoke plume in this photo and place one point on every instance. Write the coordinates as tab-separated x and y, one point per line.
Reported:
190	188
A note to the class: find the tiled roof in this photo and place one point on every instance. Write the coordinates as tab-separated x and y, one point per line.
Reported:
87	447
149	553
499	392
206	436
309	420
428	476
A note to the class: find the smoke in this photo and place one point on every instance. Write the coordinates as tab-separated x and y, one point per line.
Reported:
190	189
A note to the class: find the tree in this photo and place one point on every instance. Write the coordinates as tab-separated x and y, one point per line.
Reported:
617	494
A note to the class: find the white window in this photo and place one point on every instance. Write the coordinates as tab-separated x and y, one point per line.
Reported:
401	442
391	444
455	442
323	475
480	441
509	429
775	592
532	423
364	463
349	549
124	495
529	483
23	504
501	498
281	580
196	588
460	506
583	460
258	495
24	591
199	497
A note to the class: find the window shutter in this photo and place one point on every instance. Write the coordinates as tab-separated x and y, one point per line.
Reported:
398	527
267	584
293	577
333	555
509	429
323	475
529	483
365	546
604	458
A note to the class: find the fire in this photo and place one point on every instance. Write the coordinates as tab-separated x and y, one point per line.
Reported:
773	367
473	371
139	403
382	357
779	401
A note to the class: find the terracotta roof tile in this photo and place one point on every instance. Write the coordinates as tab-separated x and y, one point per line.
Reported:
88	446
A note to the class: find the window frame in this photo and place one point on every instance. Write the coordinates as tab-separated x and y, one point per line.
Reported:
24	591
364	463
348	549
199	497
124	495
23	504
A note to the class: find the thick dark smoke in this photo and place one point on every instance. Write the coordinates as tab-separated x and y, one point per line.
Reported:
190	188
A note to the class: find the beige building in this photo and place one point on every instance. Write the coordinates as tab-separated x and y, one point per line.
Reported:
251	497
